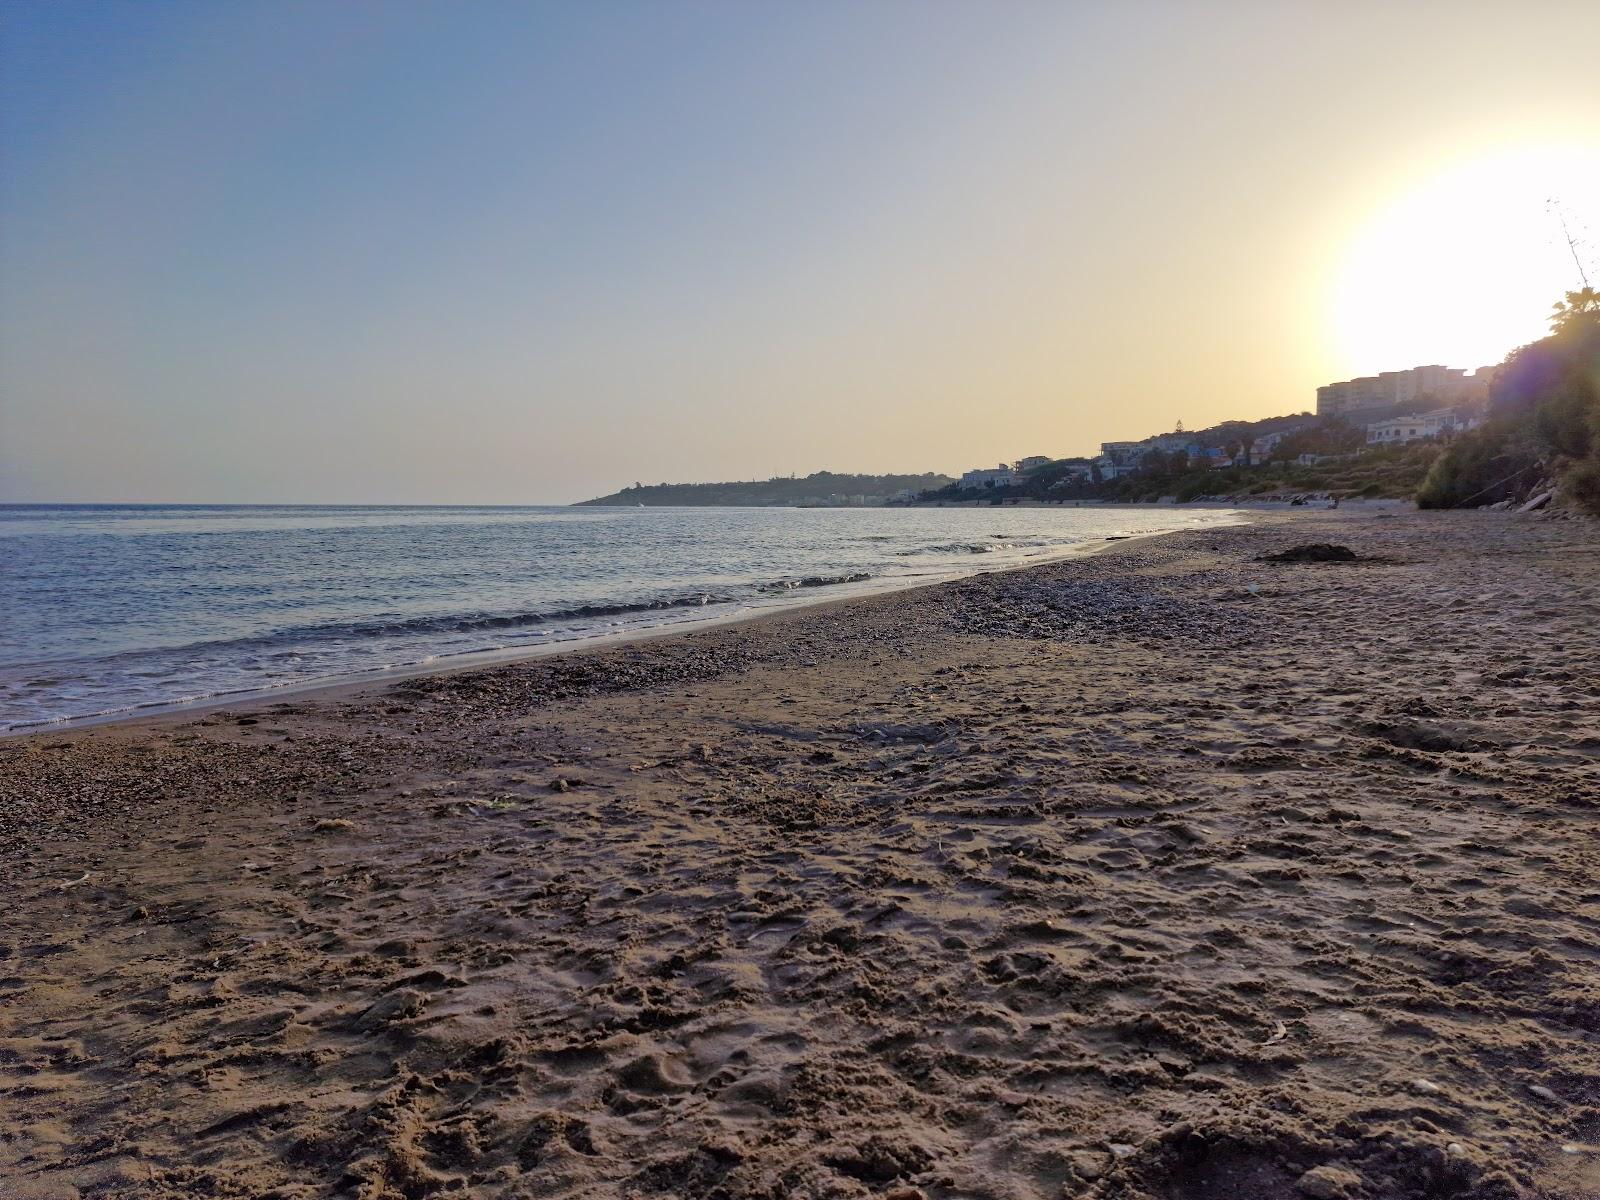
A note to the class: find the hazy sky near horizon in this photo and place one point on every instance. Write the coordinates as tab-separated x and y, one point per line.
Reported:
520	252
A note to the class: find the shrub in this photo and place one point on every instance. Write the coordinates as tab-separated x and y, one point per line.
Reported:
1583	483
1481	467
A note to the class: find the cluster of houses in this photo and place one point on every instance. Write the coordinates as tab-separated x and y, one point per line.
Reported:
1125	458
1003	475
1117	459
1441	400
1459	400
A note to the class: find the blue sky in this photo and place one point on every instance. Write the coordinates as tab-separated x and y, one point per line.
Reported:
523	252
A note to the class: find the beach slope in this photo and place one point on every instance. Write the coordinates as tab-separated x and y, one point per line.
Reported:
1161	874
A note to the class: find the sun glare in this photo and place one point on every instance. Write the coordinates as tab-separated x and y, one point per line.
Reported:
1465	266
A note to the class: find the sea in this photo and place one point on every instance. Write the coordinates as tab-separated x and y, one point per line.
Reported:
107	610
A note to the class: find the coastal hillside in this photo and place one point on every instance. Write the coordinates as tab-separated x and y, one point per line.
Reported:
820	487
1530	437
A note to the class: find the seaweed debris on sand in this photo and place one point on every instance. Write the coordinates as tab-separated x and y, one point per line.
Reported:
1311	552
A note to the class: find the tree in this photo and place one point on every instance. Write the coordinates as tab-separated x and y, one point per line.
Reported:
1330	435
1580	309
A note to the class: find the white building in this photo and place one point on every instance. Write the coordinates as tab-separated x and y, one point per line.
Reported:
1396	432
1032	463
1418	427
1078	470
992	477
1262	447
1120	458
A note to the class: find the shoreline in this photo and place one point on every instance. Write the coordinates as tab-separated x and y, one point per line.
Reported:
480	660
1114	878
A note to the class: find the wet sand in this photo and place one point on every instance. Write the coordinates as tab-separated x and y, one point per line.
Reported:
1109	878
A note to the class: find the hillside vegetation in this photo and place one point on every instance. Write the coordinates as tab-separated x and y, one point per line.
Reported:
1388	472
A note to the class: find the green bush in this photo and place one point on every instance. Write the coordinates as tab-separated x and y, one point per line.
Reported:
1481	467
1583	482
1564	423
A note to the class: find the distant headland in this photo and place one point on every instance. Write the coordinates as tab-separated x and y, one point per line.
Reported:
821	489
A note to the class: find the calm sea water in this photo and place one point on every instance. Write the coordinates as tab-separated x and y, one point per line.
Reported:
106	609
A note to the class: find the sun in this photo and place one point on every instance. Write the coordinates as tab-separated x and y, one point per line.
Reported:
1464	266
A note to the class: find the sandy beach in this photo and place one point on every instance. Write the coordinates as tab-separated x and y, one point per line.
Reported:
1159	874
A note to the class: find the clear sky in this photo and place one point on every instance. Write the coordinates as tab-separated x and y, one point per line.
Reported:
515	252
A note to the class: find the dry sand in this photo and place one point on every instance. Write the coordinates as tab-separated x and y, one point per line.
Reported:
1107	879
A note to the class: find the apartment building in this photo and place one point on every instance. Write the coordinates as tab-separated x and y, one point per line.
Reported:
1390	389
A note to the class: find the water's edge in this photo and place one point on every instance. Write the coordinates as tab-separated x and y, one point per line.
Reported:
479	660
